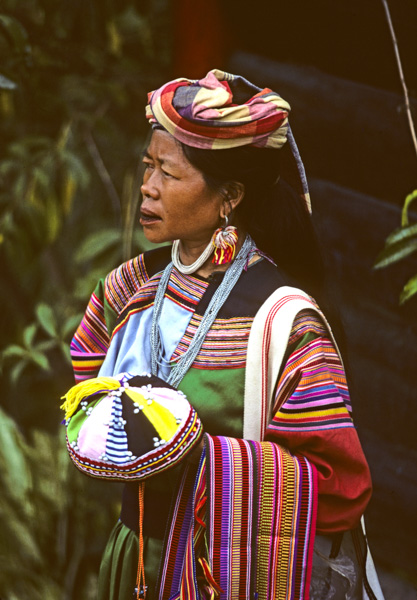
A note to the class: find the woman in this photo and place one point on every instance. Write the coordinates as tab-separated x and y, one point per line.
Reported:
224	182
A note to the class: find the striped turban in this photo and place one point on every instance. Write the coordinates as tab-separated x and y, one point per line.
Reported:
226	111
216	113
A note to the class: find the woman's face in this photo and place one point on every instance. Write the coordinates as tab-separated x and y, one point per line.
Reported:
177	203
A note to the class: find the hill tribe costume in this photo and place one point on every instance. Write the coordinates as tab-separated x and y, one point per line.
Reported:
245	358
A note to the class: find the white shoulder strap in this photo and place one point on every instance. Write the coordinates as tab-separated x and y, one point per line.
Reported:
268	340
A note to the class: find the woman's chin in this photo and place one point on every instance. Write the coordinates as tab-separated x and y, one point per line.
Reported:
155	237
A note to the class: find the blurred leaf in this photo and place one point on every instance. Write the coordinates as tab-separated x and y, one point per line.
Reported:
115	39
66	352
6	84
395	252
47	319
15	474
29	334
47	345
16	34
409	289
409	199
41	176
53	219
97	243
7	166
68	192
27	543
32	196
64	136
17	370
70	325
40	359
402	233
85	285
14	351
76	167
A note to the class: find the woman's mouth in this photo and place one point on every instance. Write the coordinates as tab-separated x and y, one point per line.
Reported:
148	217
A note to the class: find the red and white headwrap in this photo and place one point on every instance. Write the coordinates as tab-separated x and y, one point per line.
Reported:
226	111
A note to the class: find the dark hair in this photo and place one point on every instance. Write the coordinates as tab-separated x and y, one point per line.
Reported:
276	217
271	211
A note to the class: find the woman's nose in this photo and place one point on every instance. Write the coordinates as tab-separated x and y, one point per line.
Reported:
148	187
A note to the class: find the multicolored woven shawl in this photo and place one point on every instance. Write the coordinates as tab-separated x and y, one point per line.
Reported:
247	529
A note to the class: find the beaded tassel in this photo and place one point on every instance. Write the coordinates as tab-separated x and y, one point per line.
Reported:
224	242
87	388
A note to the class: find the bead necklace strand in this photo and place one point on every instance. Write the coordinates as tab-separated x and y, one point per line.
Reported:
188	269
219	298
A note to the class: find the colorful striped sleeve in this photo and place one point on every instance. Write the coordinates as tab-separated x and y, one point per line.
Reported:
92	338
313	417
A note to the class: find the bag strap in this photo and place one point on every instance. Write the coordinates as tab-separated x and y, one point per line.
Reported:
268	341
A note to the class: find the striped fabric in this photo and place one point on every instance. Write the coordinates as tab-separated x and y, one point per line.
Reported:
319	397
220	111
185	292
313	372
122	283
305	323
311	393
127	292
225	344
91	340
117	449
260	504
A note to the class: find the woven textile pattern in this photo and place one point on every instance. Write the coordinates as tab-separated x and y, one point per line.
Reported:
129	290
90	342
181	291
122	283
306	322
321	398
259	541
225	344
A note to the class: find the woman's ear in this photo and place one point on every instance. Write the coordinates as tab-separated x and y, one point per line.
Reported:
233	195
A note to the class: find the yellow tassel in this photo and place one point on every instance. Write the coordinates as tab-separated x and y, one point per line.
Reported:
84	389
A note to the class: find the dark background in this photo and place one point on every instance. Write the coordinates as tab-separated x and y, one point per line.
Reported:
334	63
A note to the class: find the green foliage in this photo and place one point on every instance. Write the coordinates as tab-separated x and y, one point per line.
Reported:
399	244
74	80
73	84
405	212
51	518
47	334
